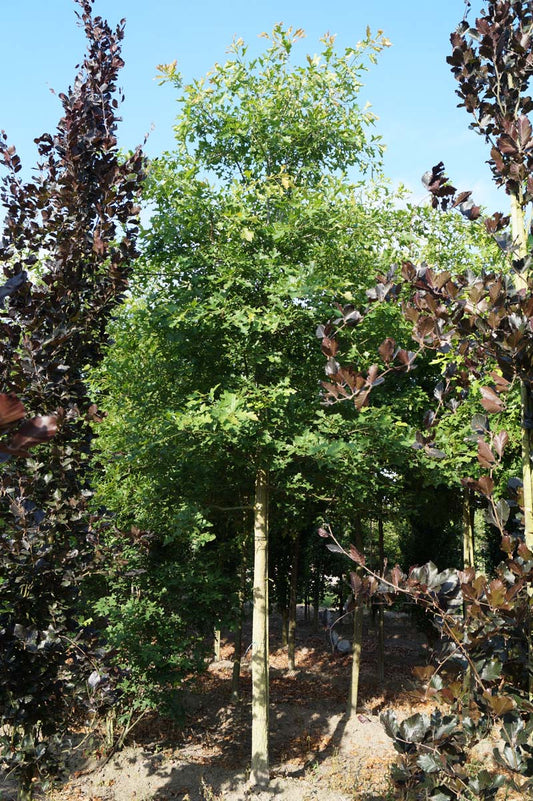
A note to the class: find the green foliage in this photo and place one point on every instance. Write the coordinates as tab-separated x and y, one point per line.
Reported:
212	369
264	117
155	644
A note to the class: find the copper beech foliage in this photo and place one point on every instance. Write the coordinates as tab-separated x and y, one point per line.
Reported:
484	322
32	432
12	411
69	237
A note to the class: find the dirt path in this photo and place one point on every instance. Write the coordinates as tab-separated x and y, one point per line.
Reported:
315	754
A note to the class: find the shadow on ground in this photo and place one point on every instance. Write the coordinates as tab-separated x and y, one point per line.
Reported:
314	752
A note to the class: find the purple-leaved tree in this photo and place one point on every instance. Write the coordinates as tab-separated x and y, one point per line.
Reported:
68	241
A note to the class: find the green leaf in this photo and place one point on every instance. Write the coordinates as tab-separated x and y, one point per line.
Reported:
491	670
414	728
429	763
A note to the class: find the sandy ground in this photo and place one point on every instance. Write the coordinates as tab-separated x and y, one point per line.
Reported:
315	752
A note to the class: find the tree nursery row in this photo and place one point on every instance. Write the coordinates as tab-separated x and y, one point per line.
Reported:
286	386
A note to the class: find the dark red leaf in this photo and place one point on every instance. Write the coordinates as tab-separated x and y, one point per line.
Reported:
490	401
11	410
486	485
356	583
34	432
356	555
524	552
500	441
501	383
386	349
329	346
485	456
373	372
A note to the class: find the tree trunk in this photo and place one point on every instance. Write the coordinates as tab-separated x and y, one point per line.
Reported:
259	773
236	675
468	561
381	611
25	788
285	614
357	640
356	658
341	593
216	645
468	531
520	241
518	227
293	597
317	593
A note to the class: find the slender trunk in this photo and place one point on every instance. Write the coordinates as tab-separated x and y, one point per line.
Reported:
468	531
110	728
519	232
236	676
259	773
317	593
291	639
341	593
357	641
236	673
316	610
285	613
520	241
216	645
356	658
381	612
25	788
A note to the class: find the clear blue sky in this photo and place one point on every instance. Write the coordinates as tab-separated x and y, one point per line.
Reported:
411	89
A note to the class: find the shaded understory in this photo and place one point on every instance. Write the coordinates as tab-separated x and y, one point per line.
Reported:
314	752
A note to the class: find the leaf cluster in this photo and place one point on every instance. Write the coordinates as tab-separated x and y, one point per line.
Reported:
68	237
493	63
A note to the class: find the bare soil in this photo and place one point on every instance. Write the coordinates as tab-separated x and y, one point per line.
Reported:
316	753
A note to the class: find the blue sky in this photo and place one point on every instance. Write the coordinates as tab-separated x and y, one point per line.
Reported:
411	88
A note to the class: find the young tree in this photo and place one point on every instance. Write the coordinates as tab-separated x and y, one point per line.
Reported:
250	212
68	239
484	320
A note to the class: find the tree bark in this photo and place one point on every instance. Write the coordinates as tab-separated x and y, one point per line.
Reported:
356	659
341	593
216	645
357	641
381	611
293	597
520	241
259	773
25	788
317	593
236	675
468	531
285	614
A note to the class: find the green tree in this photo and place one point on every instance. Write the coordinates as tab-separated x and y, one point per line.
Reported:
250	213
